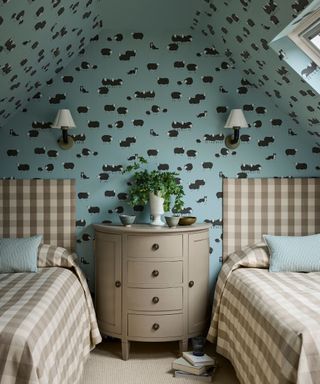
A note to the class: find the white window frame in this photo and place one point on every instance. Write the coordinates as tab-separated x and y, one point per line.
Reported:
300	36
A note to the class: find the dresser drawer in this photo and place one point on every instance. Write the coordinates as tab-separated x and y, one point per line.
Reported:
152	272
155	326
154	299
155	246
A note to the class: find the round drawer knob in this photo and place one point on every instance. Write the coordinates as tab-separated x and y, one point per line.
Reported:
155	326
155	273
191	283
155	247
117	284
155	300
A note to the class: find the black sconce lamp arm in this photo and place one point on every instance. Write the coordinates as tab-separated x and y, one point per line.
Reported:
236	135
65	135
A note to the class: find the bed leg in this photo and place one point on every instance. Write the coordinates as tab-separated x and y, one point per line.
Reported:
125	346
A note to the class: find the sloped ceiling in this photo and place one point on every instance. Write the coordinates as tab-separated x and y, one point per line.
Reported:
162	95
242	30
37	40
154	15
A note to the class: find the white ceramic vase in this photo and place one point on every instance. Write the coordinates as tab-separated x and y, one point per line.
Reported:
156	209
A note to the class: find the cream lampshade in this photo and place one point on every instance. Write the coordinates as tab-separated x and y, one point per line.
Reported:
236	120
64	121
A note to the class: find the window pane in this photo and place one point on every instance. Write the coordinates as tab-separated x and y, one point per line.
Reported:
316	40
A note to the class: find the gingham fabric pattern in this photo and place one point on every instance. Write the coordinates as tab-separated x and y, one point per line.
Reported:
39	207
254	256
47	320
253	207
267	324
46	326
50	256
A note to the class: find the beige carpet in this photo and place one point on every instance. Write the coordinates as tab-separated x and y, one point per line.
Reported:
149	363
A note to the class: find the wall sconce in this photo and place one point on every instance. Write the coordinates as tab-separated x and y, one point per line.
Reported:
64	121
236	120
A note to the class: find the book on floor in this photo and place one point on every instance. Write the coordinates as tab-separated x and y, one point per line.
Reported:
205	376
199	361
182	364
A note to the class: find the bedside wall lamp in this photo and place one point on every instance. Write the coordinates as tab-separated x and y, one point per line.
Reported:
64	121
236	120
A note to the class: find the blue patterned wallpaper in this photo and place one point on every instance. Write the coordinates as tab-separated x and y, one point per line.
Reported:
242	30
37	40
163	96
294	55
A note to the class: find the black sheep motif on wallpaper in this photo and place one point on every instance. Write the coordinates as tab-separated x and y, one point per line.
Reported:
175	119
252	54
50	48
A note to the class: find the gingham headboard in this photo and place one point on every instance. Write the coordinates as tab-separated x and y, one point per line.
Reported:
47	207
253	207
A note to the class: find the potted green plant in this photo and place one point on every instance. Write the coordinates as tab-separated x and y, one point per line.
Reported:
156	187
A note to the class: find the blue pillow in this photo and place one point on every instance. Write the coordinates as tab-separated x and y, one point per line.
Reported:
294	253
19	255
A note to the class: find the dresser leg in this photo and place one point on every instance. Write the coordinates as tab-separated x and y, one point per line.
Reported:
183	345
125	346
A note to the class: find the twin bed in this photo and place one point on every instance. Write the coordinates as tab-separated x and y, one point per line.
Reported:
267	323
47	320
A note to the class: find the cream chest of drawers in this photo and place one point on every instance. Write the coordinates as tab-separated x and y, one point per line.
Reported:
152	282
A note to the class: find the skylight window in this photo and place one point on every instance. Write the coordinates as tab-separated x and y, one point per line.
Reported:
307	36
314	38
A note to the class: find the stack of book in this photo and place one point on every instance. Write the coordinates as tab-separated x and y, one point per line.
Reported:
196	367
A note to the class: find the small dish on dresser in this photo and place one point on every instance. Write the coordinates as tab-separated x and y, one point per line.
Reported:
172	221
187	220
127	220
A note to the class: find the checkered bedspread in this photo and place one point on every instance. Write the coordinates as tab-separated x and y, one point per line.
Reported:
47	324
267	324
